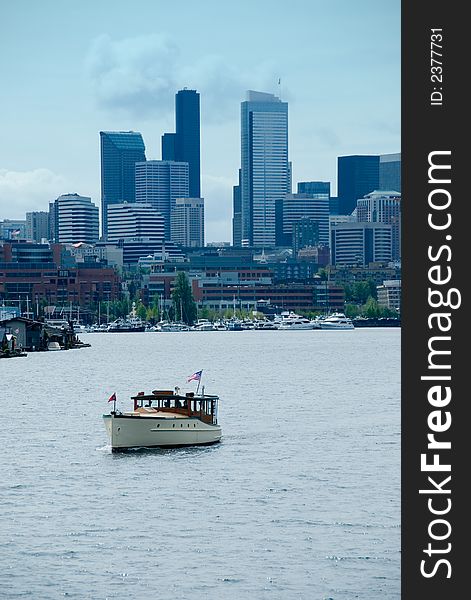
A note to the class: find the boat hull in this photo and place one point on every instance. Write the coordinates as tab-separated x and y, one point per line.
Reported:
336	326
130	431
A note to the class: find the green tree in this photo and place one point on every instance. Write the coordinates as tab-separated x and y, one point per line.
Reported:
141	311
371	308
183	301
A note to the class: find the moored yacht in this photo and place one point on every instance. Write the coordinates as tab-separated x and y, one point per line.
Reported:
294	321
336	320
165	419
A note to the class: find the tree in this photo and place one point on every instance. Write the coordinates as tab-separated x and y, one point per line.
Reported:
141	311
183	301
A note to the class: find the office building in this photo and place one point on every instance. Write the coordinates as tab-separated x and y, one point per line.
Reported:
237	215
188	222
383	207
390	172
311	206
358	244
356	177
184	144
131	220
389	294
265	177
314	187
305	233
168	146
159	183
76	219
120	151
37	226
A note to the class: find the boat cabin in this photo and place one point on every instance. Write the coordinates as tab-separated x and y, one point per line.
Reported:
203	407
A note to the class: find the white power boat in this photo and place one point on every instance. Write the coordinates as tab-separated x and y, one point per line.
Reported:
54	346
336	320
166	326
294	321
203	325
165	419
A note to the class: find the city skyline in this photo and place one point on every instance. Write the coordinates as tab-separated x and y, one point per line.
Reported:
342	56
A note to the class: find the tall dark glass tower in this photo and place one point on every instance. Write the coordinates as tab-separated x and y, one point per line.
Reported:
356	177
120	151
184	145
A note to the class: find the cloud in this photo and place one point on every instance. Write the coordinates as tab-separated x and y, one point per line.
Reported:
140	76
25	191
217	207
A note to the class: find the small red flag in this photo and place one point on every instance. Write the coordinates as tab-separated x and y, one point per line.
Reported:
112	398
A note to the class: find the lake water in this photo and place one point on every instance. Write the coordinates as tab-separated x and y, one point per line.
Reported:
301	499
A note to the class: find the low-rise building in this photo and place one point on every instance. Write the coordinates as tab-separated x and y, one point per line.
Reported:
389	294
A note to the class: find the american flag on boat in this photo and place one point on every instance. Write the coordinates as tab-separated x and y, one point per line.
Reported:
195	377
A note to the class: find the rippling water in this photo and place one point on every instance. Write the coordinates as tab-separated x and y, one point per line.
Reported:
301	500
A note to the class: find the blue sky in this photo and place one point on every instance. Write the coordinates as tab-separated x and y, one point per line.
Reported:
70	69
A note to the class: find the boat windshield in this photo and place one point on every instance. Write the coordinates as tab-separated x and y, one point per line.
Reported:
201	406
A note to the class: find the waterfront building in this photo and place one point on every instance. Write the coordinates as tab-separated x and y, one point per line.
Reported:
383	207
159	183
134	220
187	222
389	294
310	206
11	229
390	172
184	144
32	273
356	177
120	151
265	176
377	272
25	252
360	243
237	215
76	219
37	226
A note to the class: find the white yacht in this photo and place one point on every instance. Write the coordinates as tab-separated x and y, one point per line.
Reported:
166	326
203	325
294	321
165	419
336	320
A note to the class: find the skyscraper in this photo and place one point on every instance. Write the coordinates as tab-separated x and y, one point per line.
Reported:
311	206
168	146
390	172
184	145
188	222
120	151
264	166
75	219
37	226
356	177
358	244
383	207
236	215
159	183
314	187
134	220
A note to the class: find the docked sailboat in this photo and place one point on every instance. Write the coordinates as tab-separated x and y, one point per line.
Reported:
165	419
